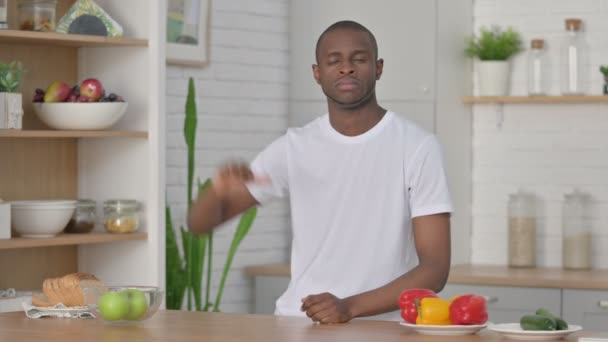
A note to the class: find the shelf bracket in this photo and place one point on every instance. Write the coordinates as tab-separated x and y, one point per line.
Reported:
500	115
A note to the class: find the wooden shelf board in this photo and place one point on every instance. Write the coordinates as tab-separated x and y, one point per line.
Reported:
60	39
537	99
11	133
69	239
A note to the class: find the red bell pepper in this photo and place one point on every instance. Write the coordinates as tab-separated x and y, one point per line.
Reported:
468	309
407	302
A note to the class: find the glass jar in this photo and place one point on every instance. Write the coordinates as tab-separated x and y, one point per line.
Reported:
522	230
37	15
576	231
573	56
537	69
121	216
84	218
3	17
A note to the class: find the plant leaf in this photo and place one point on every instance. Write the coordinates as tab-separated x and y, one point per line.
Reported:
187	246
176	275
241	231
198	260
190	134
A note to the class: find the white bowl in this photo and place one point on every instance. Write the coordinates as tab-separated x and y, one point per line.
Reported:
41	221
80	116
43	203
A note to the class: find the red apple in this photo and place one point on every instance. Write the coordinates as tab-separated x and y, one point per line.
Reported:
91	89
57	92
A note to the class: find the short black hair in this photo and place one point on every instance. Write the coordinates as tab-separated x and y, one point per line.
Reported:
348	25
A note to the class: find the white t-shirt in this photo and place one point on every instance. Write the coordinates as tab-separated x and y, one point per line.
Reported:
352	200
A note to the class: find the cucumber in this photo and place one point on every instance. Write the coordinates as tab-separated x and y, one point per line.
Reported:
560	323
537	322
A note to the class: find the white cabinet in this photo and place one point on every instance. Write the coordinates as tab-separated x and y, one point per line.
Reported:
267	289
587	308
509	304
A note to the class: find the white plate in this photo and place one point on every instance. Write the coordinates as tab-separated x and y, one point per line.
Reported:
72	309
444	330
515	332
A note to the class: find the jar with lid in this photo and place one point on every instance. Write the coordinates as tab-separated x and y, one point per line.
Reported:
576	231
84	217
522	230
3	16
573	59
37	15
121	216
537	69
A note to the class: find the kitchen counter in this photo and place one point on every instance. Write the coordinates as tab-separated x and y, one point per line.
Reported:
202	326
492	275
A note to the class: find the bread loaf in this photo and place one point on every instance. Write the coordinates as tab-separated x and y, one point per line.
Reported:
67	290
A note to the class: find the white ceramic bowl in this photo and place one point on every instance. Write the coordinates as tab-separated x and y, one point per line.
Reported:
41	219
80	116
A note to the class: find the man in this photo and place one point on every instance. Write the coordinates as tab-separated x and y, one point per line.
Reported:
369	201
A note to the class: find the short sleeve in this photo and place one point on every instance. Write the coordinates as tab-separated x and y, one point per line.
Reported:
426	180
271	163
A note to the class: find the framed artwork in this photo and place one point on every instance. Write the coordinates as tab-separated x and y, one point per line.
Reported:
187	25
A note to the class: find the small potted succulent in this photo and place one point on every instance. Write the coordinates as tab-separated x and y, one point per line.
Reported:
494	47
11	108
604	71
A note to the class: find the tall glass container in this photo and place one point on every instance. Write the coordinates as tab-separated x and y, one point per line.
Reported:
522	230
3	15
576	232
573	55
537	69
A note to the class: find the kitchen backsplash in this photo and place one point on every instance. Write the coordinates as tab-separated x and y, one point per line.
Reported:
547	149
242	106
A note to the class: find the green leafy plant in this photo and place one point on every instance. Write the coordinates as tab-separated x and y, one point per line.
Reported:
184	276
604	70
10	76
494	44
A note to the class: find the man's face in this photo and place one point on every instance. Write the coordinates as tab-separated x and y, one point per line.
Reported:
347	69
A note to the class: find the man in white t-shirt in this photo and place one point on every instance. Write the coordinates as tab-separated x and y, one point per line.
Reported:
370	206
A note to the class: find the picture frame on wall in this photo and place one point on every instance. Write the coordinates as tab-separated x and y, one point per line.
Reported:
187	36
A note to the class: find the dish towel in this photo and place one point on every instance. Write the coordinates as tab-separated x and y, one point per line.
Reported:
58	310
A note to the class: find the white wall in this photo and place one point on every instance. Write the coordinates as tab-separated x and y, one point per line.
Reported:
242	106
547	149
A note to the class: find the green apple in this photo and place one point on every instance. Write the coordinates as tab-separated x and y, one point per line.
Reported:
113	306
138	304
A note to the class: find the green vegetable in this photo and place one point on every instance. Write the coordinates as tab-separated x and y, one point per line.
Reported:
537	322
560	323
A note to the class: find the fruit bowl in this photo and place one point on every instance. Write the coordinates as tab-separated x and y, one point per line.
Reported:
80	116
123	304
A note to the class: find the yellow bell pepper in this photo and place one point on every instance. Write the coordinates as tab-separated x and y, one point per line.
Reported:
434	311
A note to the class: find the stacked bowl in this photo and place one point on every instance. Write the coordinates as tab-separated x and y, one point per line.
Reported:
41	218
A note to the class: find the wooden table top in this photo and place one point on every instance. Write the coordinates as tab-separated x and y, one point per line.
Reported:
200	326
546	277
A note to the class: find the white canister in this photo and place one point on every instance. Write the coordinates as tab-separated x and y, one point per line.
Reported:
5	220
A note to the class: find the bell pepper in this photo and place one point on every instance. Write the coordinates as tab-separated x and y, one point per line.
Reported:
468	309
434	311
407	303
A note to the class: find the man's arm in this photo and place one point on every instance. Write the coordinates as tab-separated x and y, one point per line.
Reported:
432	239
227	197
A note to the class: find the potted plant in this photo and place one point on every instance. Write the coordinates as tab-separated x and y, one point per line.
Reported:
493	47
11	109
604	71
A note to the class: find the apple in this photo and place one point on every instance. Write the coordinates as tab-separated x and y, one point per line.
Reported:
138	304
113	306
57	92
91	89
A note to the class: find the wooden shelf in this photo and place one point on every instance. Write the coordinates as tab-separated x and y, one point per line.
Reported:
12	133
69	239
60	39
537	99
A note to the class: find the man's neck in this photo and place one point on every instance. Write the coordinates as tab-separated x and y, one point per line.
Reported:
353	122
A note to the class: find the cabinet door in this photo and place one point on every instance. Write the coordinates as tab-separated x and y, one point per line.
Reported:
404	29
508	304
267	290
587	308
